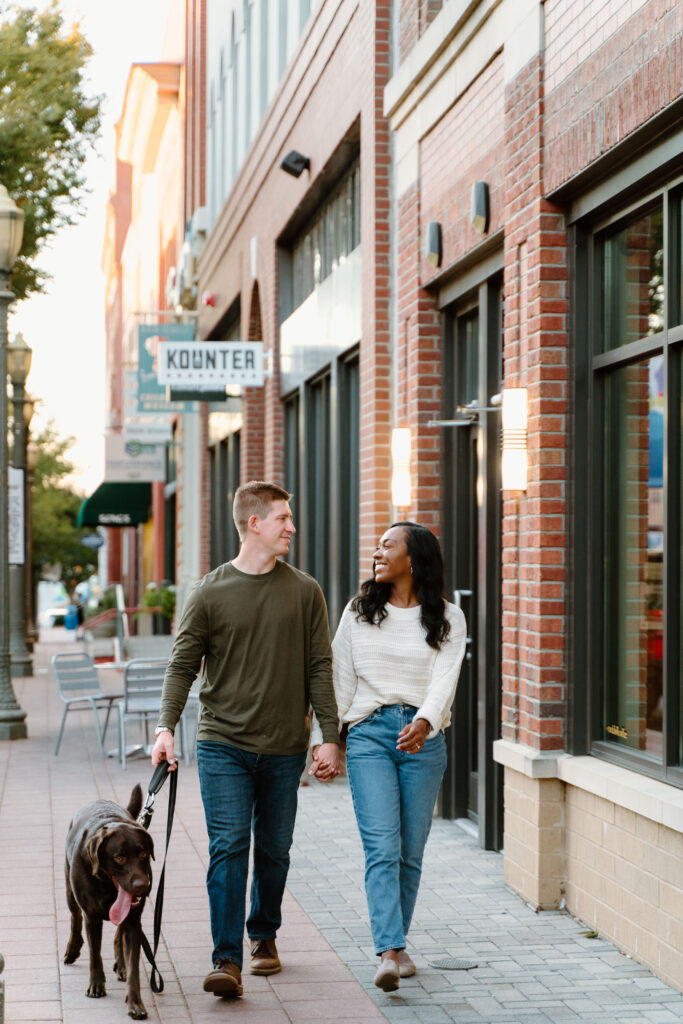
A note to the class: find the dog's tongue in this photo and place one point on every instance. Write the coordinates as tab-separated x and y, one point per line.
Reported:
119	909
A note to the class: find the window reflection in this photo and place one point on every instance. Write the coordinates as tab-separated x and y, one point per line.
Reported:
633	280
634	548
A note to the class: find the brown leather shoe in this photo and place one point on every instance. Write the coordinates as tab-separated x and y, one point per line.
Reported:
224	980
264	958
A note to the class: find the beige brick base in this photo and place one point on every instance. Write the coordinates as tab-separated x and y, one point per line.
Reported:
618	869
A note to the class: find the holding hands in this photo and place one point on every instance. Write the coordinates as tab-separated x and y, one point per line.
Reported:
325	761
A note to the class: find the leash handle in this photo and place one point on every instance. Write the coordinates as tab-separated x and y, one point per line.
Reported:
156	981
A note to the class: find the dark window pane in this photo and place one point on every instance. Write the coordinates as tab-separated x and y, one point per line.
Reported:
632	280
467	359
633	551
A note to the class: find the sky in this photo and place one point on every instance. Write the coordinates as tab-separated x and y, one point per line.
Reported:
65	325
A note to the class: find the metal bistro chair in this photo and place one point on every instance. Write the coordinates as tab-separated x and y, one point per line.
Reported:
143	679
79	684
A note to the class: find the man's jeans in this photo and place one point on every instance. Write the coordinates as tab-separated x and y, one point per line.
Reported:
393	796
242	791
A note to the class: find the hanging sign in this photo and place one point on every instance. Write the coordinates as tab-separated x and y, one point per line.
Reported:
210	362
15	508
151	396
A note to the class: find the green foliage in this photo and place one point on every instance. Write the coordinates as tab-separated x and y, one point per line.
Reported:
47	128
160	597
54	508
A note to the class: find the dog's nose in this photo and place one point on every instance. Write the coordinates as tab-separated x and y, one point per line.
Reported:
140	885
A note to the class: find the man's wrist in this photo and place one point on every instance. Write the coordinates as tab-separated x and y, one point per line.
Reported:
162	728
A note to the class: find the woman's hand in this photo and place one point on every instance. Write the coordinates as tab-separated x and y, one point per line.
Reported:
325	764
411	739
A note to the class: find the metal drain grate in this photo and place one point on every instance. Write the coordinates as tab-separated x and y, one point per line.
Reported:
449	963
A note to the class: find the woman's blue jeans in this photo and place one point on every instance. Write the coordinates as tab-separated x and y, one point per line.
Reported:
393	796
244	792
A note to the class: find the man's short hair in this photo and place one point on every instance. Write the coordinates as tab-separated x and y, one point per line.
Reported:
255	499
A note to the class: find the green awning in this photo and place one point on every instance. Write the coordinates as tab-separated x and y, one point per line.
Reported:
114	504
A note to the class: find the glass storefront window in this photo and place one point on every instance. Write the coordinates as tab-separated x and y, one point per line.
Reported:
632	483
633	280
328	239
633	546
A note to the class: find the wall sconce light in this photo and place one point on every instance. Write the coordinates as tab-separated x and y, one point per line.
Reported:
400	467
294	163
479	207
514	461
433	247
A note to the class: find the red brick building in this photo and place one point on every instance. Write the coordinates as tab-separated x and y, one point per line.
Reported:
539	164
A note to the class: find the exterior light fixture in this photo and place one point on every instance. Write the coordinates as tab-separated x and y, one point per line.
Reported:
514	461
295	163
400	467
433	245
11	230
19	357
479	207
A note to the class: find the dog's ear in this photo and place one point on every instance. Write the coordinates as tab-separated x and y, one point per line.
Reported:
135	802
92	848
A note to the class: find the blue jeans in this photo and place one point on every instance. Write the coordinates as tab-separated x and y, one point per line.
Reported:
393	796
242	792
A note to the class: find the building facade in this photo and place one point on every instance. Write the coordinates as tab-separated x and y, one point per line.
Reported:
538	189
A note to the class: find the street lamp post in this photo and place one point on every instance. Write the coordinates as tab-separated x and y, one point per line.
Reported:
19	364
12	716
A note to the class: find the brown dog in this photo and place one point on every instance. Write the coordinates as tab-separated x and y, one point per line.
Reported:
108	876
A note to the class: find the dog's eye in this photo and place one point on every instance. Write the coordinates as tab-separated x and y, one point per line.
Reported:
143	854
119	858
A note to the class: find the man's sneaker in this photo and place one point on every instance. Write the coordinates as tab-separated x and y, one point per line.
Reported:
264	958
406	967
224	980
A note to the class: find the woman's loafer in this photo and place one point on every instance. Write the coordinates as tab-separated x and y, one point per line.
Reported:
387	975
406	967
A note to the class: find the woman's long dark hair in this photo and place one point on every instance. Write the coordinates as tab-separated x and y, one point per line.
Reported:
426	561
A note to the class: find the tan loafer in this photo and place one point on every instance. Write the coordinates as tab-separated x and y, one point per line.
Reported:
406	967
224	980
264	958
387	975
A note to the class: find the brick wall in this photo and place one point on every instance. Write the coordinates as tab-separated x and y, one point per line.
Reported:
607	72
415	16
455	154
535	357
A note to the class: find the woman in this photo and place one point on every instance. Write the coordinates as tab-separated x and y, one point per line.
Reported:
397	656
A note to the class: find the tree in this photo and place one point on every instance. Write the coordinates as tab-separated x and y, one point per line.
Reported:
47	127
54	509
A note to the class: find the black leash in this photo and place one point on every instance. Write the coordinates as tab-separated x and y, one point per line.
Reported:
160	775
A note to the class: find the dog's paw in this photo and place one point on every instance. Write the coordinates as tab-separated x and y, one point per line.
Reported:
72	954
119	970
96	989
137	1011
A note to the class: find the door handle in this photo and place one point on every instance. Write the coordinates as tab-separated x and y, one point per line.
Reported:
458	596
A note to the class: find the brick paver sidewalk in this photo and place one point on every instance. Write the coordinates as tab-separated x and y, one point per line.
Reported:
530	967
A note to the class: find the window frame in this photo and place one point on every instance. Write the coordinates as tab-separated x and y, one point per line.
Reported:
593	367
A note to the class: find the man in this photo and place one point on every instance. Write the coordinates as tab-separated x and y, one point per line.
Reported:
261	627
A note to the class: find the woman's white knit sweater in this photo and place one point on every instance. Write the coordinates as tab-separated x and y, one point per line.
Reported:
392	663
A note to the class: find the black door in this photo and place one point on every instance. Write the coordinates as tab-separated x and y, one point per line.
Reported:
472	786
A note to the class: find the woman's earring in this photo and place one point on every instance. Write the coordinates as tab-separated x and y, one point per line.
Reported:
411	568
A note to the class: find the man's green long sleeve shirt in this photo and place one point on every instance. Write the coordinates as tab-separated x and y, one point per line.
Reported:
266	646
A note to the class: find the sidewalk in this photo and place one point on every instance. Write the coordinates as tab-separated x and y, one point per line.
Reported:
531	967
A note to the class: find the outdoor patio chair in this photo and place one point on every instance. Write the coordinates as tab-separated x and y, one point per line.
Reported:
78	684
143	679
